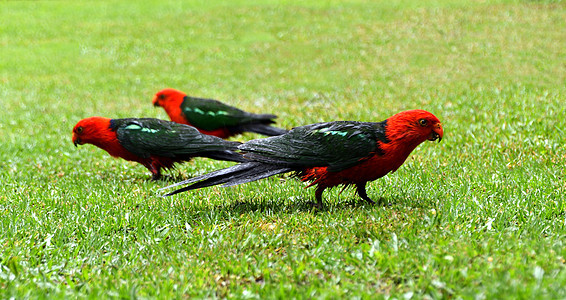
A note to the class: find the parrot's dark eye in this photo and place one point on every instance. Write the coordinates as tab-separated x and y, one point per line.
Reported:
79	129
423	122
162	97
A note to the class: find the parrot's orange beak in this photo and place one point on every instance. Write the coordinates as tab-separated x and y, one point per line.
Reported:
437	133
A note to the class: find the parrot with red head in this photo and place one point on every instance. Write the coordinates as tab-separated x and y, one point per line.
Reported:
154	143
330	154
213	117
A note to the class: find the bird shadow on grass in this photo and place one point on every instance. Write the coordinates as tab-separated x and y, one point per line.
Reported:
205	212
330	205
277	206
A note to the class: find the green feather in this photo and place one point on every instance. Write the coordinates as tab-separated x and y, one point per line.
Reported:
146	136
211	114
338	145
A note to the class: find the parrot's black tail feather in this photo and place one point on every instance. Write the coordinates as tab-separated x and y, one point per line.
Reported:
226	155
238	174
264	129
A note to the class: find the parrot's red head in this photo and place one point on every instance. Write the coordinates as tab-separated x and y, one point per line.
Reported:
93	130
171	100
168	97
414	126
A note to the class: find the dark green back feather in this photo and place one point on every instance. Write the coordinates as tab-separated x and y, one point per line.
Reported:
338	145
147	136
211	114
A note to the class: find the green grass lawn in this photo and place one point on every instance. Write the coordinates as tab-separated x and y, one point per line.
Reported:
481	215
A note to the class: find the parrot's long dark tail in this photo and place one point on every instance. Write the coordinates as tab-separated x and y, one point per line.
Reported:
264	129
238	174
227	155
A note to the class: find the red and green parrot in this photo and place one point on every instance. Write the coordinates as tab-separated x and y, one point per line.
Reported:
330	154
213	117
154	143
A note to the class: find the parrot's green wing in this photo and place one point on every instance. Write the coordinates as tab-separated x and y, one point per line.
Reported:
337	145
146	136
211	114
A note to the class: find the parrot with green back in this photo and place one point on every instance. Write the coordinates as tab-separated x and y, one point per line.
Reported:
213	117
154	143
330	154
